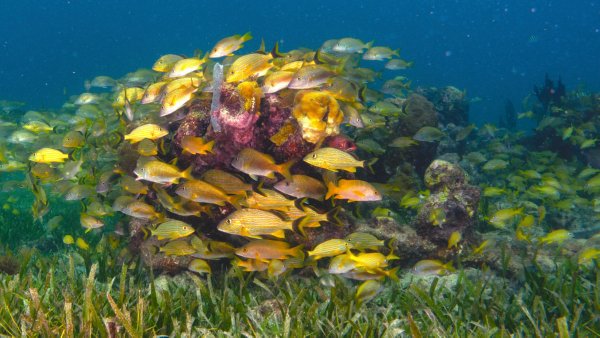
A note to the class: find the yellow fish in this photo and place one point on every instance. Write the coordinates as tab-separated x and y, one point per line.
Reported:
176	99
186	66
479	249
455	237
37	127
370	261
503	216
333	159
199	266
172	229
330	248
255	163
82	244
268	249
353	191
277	81
432	267
254	223
228	45
301	186
556	236
160	172
68	239
203	192
268	199
367	291
73	139
363	241
147	131
196	145
90	222
250	65
133	186
178	247
49	155
153	92
587	255
166	62
146	147
232	184
251	265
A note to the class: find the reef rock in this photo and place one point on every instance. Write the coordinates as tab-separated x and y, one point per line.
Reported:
450	103
452	205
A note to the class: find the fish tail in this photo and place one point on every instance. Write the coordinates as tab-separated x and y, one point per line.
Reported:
332	216
187	173
246	37
297	251
393	273
275	53
369	44
331	190
396	52
284	169
209	146
236	201
369	164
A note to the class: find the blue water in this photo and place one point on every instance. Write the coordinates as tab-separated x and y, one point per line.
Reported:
493	49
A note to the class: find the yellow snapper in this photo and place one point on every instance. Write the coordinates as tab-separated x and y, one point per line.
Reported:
353	191
147	148
556	236
68	239
178	247
370	261
276	81
455	237
268	249
268	199
301	186
160	172
172	229
228	45
250	65
254	223
196	145
255	163
432	267
503	216
380	53
330	248
147	131
153	92
90	222
82	244
333	159
73	139
186	66
139	209
48	155
133	186
364	241
588	254
176	99
203	192
367	291
311	76
230	183
199	266
166	62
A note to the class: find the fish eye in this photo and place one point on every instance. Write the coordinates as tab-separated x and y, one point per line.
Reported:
299	78
228	221
314	156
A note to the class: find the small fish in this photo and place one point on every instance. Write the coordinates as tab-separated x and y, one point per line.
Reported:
147	148
333	159
432	267
386	108
526	222
371	146
587	143
154	92
68	239
428	134
276	268
166	62
196	145
268	249
87	98
556	236
253	223
380	53
162	173
493	191
267	199
203	192
301	186
148	131
398	64
464	132
495	164
277	81
199	266
587	255
82	244
455	237
351	45
172	229
353	191
73	139
372	261
176	99
90	222
255	163
503	216
139	209
180	247
367	291
310	77
228	45
230	183
250	265
250	65
48	155
330	248
185	66
403	142
364	241
133	186
103	81
567	132
479	249
54	222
